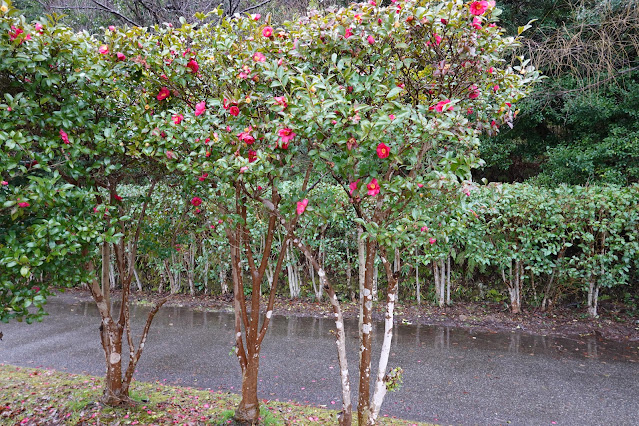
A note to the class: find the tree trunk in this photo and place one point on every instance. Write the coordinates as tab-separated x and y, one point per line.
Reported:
418	291
346	417
363	404
248	412
382	378
593	297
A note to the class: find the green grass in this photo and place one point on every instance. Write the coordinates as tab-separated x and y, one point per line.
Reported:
31	396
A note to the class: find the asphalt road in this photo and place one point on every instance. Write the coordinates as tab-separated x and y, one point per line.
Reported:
452	376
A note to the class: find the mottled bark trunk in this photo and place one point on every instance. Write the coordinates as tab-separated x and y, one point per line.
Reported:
346	418
593	297
382	379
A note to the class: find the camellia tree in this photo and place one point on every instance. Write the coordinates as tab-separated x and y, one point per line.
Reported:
385	102
70	104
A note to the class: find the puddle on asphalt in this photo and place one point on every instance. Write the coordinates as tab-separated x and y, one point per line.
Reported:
405	335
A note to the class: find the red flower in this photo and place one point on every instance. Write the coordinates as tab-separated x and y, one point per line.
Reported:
203	177
287	135
246	137
23	204
370	39
267	32
348	33
383	150
120	56
200	107
478	7
177	118
301	206
193	66
234	111
353	186
64	136
442	104
117	197
226	103
170	155
281	100
476	23
104	49
16	32
164	93
432	240
252	156
474	92
4	183
196	201
373	187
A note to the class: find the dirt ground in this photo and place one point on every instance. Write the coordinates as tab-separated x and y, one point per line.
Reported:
615	322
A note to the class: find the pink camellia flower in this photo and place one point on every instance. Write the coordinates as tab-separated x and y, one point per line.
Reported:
400	85
170	155
163	94
420	185
490	70
348	32
441	105
16	32
259	57
203	177
177	118
104	49
226	103
474	92
432	241
391	116
24	204
353	186
373	187
476	23
372	3
196	201
246	137
193	66
438	39
111	28
200	107
4	183
243	169
243	75
301	206
38	27
267	32
424	228
495	87
383	150
120	56
252	156
256	17
197	211
64	136
281	100
234	111
286	134
370	39
478	7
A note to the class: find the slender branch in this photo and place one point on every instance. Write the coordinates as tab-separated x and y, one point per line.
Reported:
116	13
255	7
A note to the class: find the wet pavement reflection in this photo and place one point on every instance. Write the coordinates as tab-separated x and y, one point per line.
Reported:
452	376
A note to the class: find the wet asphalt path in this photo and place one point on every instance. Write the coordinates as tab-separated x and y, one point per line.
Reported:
452	376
